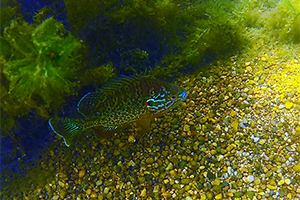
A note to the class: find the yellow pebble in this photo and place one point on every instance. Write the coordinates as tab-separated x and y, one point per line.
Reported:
271	187
287	181
94	195
281	182
89	191
289	105
261	142
251	82
297	168
131	138
203	196
244	169
186	128
144	192
233	113
81	173
219	196
172	173
230	194
263	59
213	152
216	182
230	147
235	125
249	69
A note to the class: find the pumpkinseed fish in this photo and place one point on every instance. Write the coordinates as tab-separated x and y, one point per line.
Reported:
119	103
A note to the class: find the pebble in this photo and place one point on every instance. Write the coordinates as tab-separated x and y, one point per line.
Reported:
149	160
271	187
250	178
297	168
172	173
94	195
89	191
144	192
169	167
256	181
281	182
81	173
289	105
99	182
216	182
186	128
219	196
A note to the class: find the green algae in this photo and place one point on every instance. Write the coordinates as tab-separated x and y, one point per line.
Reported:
196	30
38	62
97	76
279	20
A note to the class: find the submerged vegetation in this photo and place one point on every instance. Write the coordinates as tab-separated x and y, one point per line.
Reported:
44	63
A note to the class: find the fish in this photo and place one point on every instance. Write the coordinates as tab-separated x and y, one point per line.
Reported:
119	103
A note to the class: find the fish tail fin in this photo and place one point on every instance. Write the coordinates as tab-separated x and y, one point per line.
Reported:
67	128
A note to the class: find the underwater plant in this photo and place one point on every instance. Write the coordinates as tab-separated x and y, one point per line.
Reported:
97	76
43	63
278	19
7	14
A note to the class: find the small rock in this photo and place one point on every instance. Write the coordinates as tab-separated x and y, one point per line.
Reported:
94	195
271	187
281	182
250	178
144	192
169	167
216	182
61	184
149	160
172	173
297	168
288	105
186	128
89	191
99	182
219	196
62	194
233	113
81	173
257	181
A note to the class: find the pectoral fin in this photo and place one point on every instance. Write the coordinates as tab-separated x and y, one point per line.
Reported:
102	133
143	126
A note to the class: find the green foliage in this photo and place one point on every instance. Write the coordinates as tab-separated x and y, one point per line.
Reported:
43	63
193	28
278	19
7	14
98	76
216	30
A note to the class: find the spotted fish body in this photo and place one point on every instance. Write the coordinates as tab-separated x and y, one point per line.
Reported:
120	102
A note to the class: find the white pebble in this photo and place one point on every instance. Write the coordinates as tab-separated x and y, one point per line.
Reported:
250	178
256	139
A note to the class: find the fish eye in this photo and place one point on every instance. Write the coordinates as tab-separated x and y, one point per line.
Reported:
173	96
150	102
